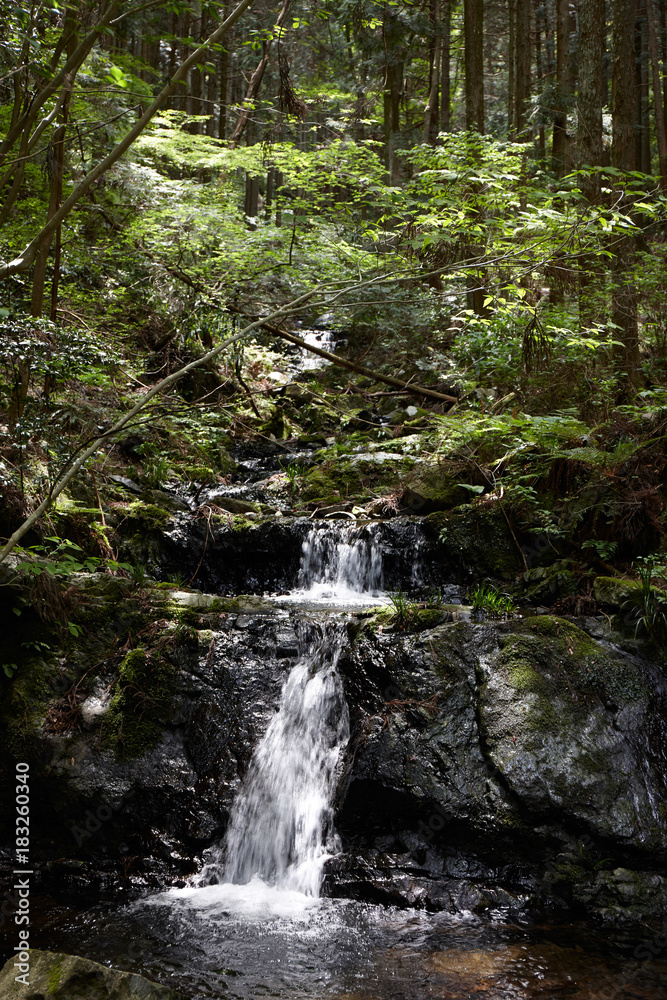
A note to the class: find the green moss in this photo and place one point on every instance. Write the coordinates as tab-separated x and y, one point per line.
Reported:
55	976
146	517
141	704
565	670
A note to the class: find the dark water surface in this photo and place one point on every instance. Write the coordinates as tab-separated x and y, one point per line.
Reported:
252	941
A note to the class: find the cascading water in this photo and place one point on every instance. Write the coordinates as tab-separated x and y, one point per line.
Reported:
281	827
340	563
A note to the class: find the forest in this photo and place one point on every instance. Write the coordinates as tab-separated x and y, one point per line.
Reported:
336	331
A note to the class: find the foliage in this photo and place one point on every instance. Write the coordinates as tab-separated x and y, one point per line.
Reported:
490	602
649	605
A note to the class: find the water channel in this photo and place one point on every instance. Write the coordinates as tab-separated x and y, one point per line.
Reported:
252	922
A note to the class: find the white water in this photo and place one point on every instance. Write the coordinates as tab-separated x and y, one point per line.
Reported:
281	826
324	339
340	564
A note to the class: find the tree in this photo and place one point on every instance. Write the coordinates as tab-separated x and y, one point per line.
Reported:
473	24
623	151
43	238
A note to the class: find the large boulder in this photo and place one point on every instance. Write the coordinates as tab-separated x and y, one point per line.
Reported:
52	976
519	754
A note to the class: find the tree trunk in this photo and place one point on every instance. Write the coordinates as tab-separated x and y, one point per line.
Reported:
657	95
623	151
511	66
560	148
642	135
473	29
432	110
589	102
446	71
522	72
256	82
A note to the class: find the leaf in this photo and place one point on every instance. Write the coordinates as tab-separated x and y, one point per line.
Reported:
473	489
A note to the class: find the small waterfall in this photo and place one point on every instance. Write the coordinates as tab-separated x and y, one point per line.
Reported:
281	826
340	562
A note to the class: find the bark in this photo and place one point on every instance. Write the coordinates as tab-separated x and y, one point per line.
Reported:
624	298
431	114
473	29
560	148
589	102
523	58
511	66
657	95
642	132
256	82
25	260
446	70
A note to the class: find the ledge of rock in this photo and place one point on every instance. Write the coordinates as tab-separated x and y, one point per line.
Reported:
54	976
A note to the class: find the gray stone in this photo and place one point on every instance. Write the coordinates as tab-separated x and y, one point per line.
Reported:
54	976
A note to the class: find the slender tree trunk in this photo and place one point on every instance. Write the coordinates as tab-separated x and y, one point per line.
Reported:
560	149
445	71
623	152
432	110
589	102
657	95
589	137
523	61
473	29
256	82
540	24
643	136
511	66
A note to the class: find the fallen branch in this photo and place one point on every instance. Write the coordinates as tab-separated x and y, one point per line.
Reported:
335	359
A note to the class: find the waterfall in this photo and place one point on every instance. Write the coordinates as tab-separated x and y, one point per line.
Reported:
281	825
340	562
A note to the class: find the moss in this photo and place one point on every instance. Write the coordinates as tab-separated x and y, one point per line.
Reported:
141	704
565	669
146	517
55	974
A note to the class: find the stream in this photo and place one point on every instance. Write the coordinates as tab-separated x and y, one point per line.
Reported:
252	923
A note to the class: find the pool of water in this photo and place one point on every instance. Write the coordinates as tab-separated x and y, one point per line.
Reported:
251	941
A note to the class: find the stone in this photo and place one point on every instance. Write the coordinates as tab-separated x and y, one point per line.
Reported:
54	976
433	490
167	501
614	592
235	506
128	484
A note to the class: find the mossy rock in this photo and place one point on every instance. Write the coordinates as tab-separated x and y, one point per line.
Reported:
545	584
613	592
432	490
476	541
55	976
413	619
141	704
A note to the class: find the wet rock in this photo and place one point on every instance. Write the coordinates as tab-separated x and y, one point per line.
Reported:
433	490
167	501
54	976
620	895
613	592
494	742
